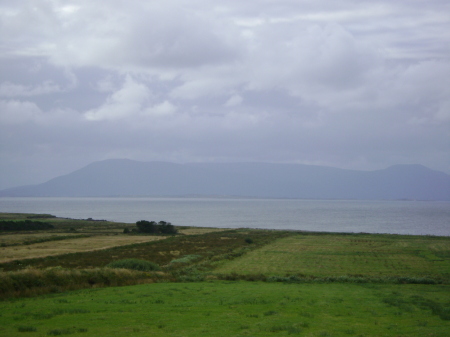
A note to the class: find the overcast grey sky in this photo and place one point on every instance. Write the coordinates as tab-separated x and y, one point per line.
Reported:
349	84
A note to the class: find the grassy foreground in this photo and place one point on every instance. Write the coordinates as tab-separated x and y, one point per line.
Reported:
234	309
306	284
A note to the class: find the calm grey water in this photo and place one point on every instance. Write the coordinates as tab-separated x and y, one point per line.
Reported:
396	217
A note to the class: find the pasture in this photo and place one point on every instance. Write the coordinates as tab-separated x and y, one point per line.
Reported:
234	309
334	255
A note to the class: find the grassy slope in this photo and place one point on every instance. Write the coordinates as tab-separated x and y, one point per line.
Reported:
234	309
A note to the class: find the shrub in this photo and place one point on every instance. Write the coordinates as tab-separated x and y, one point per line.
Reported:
134	264
249	240
32	282
147	226
24	225
152	227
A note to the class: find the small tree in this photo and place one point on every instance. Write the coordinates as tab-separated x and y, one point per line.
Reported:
147	226
152	227
167	228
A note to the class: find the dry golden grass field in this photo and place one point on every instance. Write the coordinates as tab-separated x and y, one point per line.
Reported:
70	246
199	230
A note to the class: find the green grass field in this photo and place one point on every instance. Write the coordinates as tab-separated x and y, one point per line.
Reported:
241	283
332	255
234	309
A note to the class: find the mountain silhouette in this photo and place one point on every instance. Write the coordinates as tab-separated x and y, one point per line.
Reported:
123	177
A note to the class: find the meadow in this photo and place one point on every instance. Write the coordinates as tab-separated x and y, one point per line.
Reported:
216	282
364	255
239	308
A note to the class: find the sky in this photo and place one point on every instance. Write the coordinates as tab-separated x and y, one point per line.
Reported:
350	84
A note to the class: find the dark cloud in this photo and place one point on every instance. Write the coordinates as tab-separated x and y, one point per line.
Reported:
351	85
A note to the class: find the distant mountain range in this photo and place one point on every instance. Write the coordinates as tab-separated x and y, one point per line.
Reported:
123	177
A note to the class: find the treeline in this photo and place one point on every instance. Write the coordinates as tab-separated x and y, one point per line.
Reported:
152	227
24	225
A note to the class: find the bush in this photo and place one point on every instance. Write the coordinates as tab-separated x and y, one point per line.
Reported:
24	225
147	226
32	282
152	227
134	264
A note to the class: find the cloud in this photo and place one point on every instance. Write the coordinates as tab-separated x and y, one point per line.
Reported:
17	112
234	101
124	103
143	36
164	108
8	89
170	37
348	84
105	85
314	59
134	100
443	112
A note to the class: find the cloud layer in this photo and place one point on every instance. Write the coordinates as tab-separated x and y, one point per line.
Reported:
352	85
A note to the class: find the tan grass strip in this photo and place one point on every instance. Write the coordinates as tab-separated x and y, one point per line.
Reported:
52	248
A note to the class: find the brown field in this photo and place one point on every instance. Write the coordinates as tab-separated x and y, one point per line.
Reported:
199	230
51	248
20	239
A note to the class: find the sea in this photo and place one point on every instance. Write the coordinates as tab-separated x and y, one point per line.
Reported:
351	216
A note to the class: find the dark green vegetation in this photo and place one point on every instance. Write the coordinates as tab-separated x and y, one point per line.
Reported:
134	264
24	225
33	282
307	284
152	227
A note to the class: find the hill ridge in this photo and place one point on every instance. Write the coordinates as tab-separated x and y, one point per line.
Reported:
125	177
